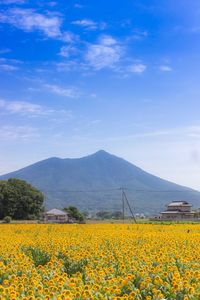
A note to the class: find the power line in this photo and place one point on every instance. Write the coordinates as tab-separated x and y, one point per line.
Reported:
160	191
118	189
84	191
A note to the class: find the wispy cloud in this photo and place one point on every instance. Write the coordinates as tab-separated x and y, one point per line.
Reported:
104	54
69	66
193	131
28	109
77	5
23	108
165	68
28	20
138	34
89	24
12	1
52	3
65	92
18	133
8	68
137	68
5	50
9	65
68	37
69	50
190	131
195	29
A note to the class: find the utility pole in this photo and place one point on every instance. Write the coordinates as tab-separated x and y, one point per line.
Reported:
123	204
124	198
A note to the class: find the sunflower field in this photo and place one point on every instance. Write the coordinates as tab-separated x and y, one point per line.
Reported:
99	261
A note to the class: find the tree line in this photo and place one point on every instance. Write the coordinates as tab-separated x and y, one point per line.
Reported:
20	200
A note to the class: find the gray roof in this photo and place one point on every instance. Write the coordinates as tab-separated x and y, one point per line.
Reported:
56	212
179	203
176	212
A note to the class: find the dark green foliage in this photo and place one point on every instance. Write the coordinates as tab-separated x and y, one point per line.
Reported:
109	215
19	200
103	214
72	267
74	213
7	219
38	256
3	276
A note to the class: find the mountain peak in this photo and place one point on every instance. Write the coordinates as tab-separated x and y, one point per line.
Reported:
66	182
101	152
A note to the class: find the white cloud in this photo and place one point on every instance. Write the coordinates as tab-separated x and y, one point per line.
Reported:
184	132
138	34
93	95
191	131
69	37
28	20
70	65
137	68
8	68
66	92
108	40
105	54
12	1
9	65
30	110
195	29
18	133
52	3
5	50
10	60
165	68
90	24
22	107
67	51
77	5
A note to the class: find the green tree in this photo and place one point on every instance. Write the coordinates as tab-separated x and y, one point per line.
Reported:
20	200
74	213
103	214
117	215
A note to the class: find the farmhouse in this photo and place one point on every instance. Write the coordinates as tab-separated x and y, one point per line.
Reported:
56	216
178	210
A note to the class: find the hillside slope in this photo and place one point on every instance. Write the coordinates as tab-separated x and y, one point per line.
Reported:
91	183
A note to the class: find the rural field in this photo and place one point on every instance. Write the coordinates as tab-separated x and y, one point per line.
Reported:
99	261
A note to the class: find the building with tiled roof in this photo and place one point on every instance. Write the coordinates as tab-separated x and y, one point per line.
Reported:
178	210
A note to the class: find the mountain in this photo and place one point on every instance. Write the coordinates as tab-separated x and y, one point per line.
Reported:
93	183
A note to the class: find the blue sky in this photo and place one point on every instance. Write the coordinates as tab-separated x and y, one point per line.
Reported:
123	76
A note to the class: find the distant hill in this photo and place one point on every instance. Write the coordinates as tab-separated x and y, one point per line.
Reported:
93	182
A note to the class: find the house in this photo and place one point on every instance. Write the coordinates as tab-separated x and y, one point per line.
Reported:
56	216
178	210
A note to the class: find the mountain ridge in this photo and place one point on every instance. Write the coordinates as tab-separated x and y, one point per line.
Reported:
61	179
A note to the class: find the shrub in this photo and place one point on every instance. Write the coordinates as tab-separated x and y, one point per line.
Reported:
39	257
72	267
7	219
